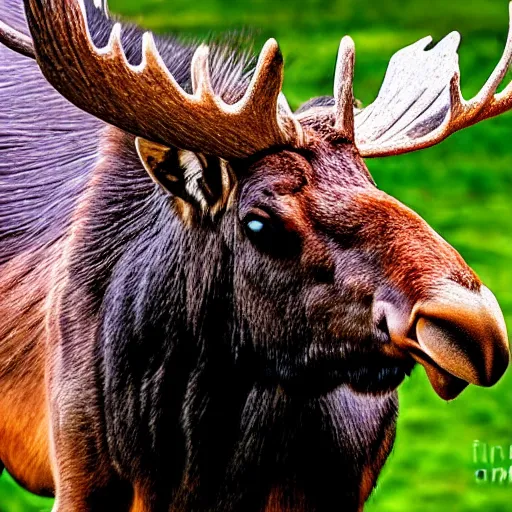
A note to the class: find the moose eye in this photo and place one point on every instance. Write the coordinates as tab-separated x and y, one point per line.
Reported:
258	224
269	234
255	226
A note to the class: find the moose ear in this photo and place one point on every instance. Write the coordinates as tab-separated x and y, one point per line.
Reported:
203	183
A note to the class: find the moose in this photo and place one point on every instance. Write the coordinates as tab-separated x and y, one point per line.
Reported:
206	304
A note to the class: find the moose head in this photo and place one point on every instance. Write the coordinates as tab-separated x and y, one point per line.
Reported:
334	281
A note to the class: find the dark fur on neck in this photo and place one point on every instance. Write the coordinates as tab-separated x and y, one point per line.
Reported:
188	413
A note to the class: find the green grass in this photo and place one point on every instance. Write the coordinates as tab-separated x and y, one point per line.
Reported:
463	188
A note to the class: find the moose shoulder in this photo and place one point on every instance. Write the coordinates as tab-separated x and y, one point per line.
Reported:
206	304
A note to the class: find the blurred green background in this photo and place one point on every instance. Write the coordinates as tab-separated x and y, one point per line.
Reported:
463	188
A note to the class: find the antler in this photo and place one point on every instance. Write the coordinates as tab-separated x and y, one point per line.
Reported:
103	5
146	100
344	90
430	106
419	105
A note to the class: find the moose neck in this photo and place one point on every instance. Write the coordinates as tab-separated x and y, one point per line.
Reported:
183	401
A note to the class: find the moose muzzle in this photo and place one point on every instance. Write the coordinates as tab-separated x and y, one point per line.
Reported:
458	335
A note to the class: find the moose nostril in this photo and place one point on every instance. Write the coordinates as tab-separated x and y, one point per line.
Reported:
382	326
391	317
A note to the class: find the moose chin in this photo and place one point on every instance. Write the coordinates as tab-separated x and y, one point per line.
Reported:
206	304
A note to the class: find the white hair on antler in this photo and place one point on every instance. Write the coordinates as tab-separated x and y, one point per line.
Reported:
422	80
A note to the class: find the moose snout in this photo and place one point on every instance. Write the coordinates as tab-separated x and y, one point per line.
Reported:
458	335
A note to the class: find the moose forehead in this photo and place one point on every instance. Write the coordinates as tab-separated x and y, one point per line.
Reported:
321	173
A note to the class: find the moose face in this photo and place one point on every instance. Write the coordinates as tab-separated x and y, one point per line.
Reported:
337	282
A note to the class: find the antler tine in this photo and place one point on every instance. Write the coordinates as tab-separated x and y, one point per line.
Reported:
265	87
423	120
264	97
146	100
103	5
344	88
16	41
487	103
201	80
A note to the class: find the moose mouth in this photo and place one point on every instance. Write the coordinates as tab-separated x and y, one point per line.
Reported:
444	383
376	378
371	373
458	336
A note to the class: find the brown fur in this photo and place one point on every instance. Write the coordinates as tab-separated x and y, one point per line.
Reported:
24	285
89	468
279	502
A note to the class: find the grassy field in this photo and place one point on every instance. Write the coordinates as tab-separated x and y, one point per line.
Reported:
463	188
